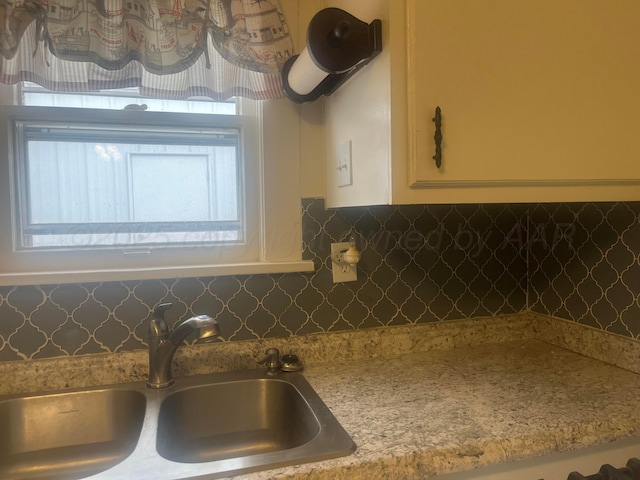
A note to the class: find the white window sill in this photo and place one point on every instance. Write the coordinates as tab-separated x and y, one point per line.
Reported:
83	276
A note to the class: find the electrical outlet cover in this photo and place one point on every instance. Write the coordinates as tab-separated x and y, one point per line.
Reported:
342	273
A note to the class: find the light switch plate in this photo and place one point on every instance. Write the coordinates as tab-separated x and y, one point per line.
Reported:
342	272
344	174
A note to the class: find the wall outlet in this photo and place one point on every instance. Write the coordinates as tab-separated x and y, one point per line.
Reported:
344	174
342	272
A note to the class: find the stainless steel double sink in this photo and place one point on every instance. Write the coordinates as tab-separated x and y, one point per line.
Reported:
205	426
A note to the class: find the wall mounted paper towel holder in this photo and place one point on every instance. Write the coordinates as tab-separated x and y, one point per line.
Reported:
338	45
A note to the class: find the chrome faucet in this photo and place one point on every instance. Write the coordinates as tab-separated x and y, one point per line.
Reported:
163	345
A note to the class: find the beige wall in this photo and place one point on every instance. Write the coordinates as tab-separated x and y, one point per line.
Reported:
312	143
360	111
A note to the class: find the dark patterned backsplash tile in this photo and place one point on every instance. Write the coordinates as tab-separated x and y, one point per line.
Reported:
419	264
422	263
585	264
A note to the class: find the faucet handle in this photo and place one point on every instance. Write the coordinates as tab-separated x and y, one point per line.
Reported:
159	309
157	325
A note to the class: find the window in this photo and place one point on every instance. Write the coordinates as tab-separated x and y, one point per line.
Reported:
105	185
95	195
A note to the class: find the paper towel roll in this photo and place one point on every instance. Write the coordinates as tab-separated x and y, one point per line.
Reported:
305	75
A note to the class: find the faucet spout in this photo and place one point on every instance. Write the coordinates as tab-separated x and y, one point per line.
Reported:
163	345
203	325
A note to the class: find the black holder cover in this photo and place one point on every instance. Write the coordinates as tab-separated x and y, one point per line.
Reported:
339	44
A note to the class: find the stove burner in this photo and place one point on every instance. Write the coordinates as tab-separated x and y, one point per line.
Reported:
607	472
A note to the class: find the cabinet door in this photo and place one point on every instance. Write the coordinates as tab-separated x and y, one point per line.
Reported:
532	92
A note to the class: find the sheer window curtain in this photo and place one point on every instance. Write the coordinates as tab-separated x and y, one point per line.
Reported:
171	49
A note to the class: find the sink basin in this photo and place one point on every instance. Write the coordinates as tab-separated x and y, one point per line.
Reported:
203	426
239	422
68	435
234	419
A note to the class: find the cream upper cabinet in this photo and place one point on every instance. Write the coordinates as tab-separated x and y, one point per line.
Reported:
540	101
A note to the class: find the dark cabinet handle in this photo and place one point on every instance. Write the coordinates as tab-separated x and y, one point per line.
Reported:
438	137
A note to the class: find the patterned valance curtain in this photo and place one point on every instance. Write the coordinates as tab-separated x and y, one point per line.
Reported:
169	48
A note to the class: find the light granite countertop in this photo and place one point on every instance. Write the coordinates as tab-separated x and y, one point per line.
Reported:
420	400
429	413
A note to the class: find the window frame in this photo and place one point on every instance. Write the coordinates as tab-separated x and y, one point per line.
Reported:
275	238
